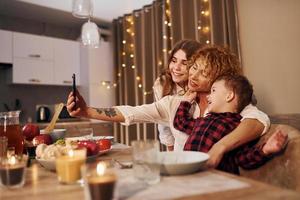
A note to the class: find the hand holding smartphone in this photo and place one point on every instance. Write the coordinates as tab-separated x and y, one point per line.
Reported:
74	90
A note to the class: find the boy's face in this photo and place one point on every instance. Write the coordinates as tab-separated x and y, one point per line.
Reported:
217	97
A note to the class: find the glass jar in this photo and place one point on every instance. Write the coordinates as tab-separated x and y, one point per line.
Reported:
10	128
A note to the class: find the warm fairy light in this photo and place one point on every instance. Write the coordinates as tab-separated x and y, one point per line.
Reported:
131	23
169	24
128	30
124	41
132	66
171	38
165	37
115	85
138	78
103	83
123	65
159	63
166	22
101	167
206	29
169	52
131	45
132	34
202	12
129	19
206	13
140	85
168	12
205	0
108	87
199	27
124	54
168	1
207	41
145	93
131	55
164	50
119	74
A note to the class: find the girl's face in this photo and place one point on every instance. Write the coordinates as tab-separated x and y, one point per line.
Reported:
178	67
199	80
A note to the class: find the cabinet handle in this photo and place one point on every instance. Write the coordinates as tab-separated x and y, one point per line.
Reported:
33	80
34	55
67	82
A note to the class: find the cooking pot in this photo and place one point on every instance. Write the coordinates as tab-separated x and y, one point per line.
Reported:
43	114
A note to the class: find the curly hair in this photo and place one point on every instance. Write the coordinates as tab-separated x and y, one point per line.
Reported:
219	61
189	47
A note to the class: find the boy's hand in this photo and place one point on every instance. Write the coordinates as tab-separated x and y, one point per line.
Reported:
275	143
190	96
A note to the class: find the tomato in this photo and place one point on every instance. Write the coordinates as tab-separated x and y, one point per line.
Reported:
104	144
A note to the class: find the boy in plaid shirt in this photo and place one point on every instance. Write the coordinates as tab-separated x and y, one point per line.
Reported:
229	95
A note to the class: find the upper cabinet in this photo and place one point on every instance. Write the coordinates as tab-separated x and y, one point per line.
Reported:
44	60
5	46
66	61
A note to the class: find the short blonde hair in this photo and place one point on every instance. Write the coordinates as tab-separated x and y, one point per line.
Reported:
219	61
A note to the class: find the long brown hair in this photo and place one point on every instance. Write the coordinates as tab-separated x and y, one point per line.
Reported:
189	47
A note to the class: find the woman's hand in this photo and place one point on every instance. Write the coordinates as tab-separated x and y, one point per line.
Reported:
215	155
275	143
81	107
190	95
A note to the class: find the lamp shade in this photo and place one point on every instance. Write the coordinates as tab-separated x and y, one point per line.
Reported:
82	8
90	35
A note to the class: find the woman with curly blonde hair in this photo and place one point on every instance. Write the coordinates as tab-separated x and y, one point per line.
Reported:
206	65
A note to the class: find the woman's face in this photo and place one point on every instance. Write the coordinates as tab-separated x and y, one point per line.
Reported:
178	67
199	80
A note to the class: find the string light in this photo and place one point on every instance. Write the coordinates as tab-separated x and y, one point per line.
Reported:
140	85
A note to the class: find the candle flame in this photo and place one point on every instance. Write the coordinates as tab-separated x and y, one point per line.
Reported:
12	160
71	153
101	167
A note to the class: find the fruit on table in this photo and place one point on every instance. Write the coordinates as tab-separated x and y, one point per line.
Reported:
104	144
30	131
90	145
42	139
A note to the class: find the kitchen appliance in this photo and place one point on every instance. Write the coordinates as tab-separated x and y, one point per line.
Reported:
43	113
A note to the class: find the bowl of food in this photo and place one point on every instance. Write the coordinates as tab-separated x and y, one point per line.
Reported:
184	162
48	164
56	134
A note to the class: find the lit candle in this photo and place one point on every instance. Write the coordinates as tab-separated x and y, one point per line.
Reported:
68	166
100	182
12	171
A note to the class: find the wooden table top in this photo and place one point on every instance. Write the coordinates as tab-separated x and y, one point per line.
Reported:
43	184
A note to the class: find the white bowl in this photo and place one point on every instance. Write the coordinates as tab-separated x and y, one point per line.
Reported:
184	162
56	134
48	164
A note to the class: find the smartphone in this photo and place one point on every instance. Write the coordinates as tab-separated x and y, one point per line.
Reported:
74	90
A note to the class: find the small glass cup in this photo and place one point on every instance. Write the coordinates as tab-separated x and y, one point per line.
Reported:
99	181
12	171
68	166
145	156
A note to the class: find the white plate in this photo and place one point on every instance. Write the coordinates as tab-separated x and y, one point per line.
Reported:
184	162
88	137
50	164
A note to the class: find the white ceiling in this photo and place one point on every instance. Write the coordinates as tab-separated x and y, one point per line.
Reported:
103	9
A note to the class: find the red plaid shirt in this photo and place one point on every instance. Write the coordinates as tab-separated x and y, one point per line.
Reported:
204	132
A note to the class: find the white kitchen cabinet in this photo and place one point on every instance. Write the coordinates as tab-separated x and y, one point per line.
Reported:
30	71
44	60
32	46
5	46
66	61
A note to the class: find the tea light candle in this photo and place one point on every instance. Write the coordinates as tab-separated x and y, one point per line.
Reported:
68	166
101	183
12	171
